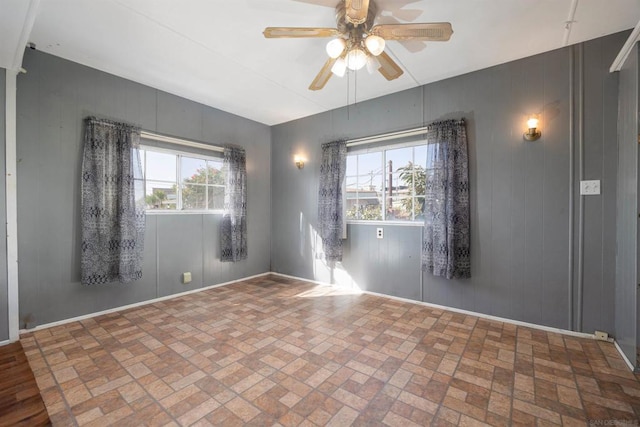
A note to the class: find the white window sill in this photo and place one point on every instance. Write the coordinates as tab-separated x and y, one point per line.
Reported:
184	212
394	223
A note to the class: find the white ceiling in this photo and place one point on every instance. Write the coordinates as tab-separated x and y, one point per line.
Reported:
213	51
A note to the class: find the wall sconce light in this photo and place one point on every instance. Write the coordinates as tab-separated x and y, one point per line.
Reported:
299	162
533	133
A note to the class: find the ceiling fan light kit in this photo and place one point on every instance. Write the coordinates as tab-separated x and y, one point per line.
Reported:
375	44
339	68
373	64
358	43
335	47
356	59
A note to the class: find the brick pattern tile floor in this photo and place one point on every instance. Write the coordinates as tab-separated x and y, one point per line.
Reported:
276	351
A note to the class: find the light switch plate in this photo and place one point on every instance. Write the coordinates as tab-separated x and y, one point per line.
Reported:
380	233
590	188
186	278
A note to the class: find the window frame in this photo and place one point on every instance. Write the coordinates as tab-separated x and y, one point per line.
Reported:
364	149
179	184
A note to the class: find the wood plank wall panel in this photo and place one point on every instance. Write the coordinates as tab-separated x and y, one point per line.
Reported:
53	99
627	256
520	190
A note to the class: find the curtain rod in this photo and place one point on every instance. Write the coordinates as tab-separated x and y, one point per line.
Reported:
391	135
179	141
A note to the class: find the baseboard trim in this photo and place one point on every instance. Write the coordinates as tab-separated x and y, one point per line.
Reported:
624	356
317	282
137	304
5	342
459	310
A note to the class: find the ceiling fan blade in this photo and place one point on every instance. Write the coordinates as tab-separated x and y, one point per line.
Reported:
388	67
323	76
433	31
357	11
299	32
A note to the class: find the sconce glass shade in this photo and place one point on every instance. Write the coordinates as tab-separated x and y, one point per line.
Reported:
375	45
373	64
299	161
339	68
533	133
335	47
356	59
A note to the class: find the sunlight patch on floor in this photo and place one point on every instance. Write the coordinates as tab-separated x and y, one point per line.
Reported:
328	291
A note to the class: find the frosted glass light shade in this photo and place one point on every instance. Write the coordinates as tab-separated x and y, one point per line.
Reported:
339	68
372	64
335	47
356	59
532	123
375	45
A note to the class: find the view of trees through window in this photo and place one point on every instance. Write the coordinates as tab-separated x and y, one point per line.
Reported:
174	181
386	185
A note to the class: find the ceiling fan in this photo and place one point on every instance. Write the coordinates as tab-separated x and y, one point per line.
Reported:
358	43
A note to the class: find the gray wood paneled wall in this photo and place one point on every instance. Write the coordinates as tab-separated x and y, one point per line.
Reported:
521	191
4	307
627	215
53	99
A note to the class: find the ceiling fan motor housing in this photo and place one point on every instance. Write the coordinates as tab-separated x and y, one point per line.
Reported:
346	27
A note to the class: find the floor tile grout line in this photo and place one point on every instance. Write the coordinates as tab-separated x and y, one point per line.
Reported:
398	321
122	367
576	382
224	385
58	386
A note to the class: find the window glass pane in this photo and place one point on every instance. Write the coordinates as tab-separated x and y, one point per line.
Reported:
193	171
351	182
160	195
368	180
408	182
403	181
142	160
365	209
215	174
352	213
371	182
399	158
352	164
216	198
420	155
400	208
161	166
194	197
418	209
369	162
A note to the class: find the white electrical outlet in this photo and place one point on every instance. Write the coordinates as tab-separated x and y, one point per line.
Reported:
380	233
186	278
590	188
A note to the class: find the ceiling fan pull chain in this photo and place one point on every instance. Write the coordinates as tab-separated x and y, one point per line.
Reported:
348	80
355	87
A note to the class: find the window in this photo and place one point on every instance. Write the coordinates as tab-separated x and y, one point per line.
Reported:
386	184
176	181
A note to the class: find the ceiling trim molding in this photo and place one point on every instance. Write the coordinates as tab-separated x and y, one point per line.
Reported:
27	26
626	49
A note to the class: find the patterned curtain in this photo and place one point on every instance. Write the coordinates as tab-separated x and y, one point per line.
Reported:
233	229
445	246
113	217
333	167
